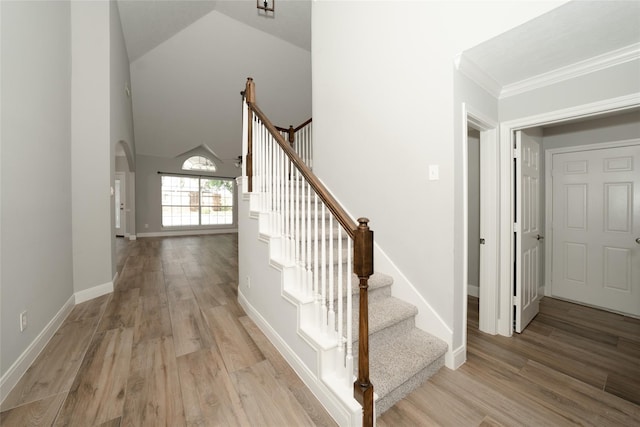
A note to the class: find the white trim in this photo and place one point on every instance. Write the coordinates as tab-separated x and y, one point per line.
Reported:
505	285
427	318
490	229
94	292
326	397
457	357
477	74
597	63
548	246
473	290
597	108
20	366
132	237
188	232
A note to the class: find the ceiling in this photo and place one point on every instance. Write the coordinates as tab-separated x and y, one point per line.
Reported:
148	23
183	98
574	32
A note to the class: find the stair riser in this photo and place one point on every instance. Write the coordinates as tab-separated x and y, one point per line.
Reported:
381	337
386	402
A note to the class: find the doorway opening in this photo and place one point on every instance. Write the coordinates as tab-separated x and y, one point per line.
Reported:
481	219
123	185
573	121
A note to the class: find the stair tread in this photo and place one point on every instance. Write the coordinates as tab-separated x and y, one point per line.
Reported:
403	357
384	313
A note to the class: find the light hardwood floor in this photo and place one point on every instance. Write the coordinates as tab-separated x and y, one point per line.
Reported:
171	346
573	365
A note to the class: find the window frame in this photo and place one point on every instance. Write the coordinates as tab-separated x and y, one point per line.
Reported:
199	206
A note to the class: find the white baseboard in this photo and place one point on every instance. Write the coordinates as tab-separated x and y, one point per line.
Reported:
95	292
188	232
473	290
457	357
20	366
132	237
333	406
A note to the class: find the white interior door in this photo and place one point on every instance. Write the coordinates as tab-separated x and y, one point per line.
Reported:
596	224
120	204
526	290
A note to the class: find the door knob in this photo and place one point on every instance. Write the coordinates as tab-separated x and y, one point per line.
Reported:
482	241
539	237
638	240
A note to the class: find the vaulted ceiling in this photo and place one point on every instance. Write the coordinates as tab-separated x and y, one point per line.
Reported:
189	60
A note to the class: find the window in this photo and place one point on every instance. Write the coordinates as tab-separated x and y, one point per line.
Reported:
194	201
198	163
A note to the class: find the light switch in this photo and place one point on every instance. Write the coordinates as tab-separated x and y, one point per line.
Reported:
434	172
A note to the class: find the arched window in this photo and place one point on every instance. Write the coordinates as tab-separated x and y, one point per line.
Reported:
198	163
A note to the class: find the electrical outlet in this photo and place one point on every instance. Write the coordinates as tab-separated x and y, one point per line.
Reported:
146	226
23	321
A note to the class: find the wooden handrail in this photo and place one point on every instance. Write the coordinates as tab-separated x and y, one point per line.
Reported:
362	250
332	204
295	129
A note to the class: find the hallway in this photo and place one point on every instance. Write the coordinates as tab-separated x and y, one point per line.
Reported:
171	347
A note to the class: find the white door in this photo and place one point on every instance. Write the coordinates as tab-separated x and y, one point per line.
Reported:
596	224
528	232
120	199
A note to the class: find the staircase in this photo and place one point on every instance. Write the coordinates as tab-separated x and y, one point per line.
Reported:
309	255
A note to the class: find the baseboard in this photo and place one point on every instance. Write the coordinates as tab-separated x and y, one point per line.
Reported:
132	237
473	290
330	402
456	358
95	292
20	366
188	232
427	318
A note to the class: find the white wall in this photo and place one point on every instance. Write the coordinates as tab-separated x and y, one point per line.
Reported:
121	120
383	98
91	153
607	129
37	272
174	112
621	80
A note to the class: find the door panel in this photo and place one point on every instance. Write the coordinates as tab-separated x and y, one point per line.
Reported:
527	239
596	221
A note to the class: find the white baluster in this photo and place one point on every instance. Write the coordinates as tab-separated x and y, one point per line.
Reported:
340	352
308	274
349	356
316	269
323	266
245	143
303	236
332	314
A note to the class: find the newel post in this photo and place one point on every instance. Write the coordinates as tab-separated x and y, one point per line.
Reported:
292	137
363	268
250	98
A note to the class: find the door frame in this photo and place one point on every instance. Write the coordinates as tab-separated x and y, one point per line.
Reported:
505	284
548	248
122	176
489	225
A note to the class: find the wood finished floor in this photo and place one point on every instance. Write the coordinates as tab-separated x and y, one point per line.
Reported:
573	365
171	346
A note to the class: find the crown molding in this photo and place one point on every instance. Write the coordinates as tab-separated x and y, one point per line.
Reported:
597	63
477	74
